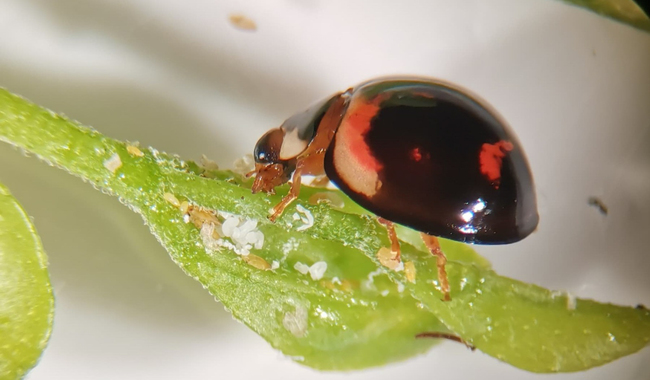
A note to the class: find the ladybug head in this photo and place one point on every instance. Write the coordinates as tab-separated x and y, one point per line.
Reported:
275	159
277	151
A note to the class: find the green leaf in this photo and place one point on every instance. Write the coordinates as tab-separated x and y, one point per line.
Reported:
625	11
373	316
533	328
26	301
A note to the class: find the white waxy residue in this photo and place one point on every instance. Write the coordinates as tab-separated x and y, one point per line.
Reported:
207	235
247	233
208	163
296	321
291	245
369	283
244	165
317	270
570	301
243	233
229	225
302	268
113	163
307	219
570	298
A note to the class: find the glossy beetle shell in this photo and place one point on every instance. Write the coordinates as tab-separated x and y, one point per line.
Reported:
424	141
427	155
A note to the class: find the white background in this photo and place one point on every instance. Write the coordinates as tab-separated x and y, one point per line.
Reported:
176	75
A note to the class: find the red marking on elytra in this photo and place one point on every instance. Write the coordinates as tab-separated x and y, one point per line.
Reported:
491	158
354	133
416	155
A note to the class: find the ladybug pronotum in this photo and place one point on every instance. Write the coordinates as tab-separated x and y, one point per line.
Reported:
417	152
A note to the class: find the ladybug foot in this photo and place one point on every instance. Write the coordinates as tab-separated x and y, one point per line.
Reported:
275	214
277	211
294	190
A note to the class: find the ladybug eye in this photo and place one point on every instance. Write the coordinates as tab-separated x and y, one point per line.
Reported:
268	147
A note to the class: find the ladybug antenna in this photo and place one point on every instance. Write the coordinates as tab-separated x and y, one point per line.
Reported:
250	173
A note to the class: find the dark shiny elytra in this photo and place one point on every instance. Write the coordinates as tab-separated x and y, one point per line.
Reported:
428	137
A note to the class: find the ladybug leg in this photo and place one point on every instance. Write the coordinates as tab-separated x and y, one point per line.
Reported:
311	161
294	190
434	246
392	235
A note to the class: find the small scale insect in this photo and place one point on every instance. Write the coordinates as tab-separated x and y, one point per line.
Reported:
418	152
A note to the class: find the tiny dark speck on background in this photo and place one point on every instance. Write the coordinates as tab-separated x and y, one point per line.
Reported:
599	204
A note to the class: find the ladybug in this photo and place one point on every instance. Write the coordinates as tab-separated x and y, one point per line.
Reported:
418	152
